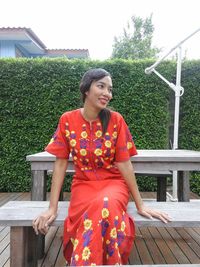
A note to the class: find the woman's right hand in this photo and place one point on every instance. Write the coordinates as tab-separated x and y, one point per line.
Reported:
42	222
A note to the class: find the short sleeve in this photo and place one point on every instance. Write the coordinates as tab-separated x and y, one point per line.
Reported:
125	147
58	144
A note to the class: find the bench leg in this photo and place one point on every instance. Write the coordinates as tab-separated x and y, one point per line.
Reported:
38	192
161	188
23	247
183	186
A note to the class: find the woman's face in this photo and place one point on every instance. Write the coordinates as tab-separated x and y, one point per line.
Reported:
100	93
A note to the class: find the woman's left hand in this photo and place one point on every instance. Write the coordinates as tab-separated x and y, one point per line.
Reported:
151	213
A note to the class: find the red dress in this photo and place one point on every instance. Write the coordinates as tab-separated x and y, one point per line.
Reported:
97	231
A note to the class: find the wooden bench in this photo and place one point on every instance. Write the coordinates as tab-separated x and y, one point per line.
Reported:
161	177
23	241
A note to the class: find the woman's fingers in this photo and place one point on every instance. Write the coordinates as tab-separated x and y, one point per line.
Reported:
41	223
145	214
150	213
50	220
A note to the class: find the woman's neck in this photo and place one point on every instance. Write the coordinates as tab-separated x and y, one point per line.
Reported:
89	113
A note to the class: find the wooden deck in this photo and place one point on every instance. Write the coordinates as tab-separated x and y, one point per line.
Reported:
152	245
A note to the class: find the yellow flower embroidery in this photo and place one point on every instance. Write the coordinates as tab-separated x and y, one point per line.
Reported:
67	133
123	226
108	143
83	152
116	218
105	213
107	242
73	142
75	158
84	134
116	245
98	152
109	166
129	145
114	134
86	253
87	224
51	141
76	257
113	233
74	242
98	133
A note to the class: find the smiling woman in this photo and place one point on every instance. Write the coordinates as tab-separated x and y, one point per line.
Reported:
98	229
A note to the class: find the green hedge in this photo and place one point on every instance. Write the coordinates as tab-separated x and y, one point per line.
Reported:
190	114
35	92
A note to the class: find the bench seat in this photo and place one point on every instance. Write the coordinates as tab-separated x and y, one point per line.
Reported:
24	243
21	213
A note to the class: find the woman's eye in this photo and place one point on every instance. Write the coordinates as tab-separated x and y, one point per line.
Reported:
110	90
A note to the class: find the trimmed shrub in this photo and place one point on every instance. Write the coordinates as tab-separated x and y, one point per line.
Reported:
35	92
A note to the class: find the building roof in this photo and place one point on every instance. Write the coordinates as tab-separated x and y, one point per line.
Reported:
28	40
25	36
67	52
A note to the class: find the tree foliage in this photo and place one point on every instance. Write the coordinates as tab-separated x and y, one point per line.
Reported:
136	41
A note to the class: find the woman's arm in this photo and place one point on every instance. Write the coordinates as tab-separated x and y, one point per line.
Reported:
42	222
127	171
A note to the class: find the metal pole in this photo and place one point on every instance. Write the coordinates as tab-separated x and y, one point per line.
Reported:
176	116
151	68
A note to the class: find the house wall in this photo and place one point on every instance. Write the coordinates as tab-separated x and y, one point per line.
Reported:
7	49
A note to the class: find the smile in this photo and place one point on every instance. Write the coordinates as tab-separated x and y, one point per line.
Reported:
104	100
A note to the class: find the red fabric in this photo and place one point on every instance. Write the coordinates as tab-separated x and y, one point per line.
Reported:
97	231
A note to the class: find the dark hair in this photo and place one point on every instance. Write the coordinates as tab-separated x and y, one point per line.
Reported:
90	76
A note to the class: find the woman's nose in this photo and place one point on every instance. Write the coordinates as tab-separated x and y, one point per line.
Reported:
107	92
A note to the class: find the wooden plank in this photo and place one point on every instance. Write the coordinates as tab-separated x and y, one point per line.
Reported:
194	234
173	246
134	256
161	188
143	252
17	246
38	188
50	259
7	264
183	185
61	262
9	197
191	242
23	212
5	250
161	244
184	246
22	252
48	242
152	247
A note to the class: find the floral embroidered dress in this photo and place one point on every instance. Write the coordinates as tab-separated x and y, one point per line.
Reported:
97	231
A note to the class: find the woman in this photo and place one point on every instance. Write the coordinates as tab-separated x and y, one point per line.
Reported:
97	231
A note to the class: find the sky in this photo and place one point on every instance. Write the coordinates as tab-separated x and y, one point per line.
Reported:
93	24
